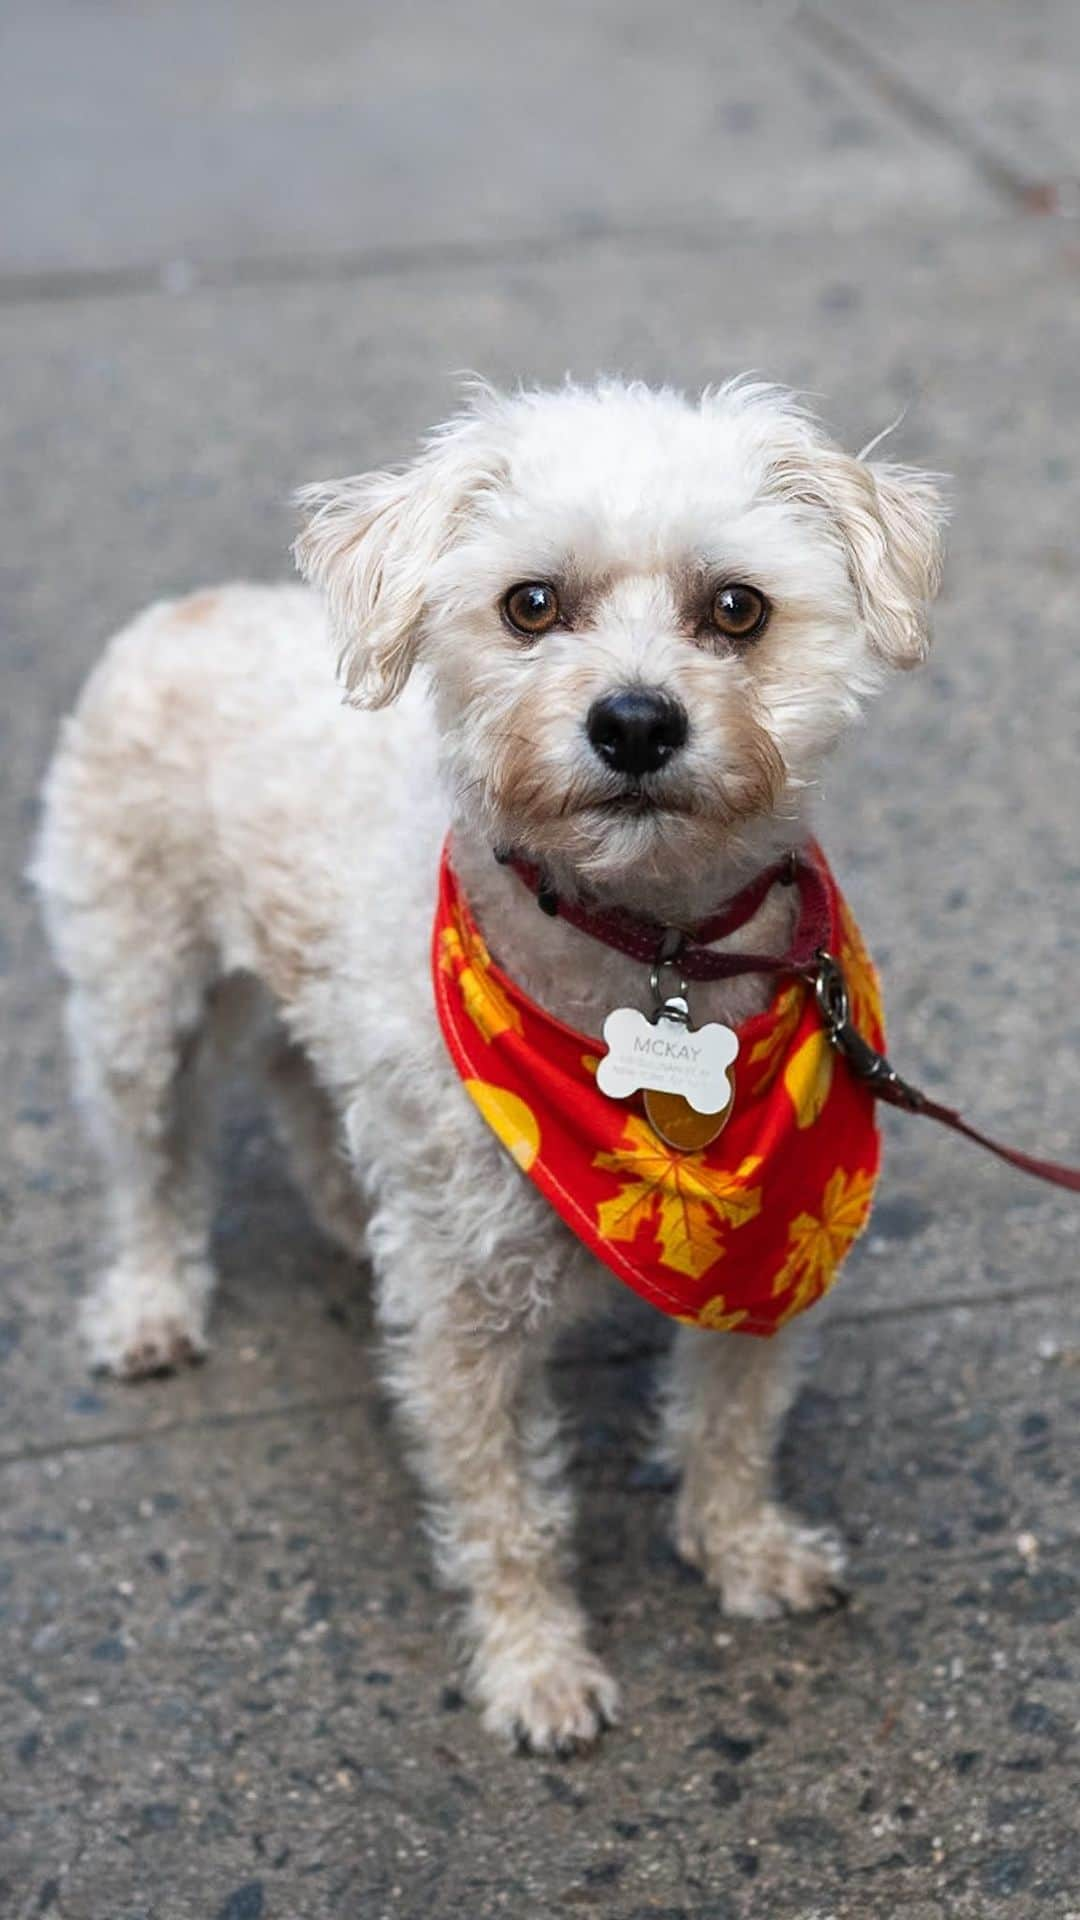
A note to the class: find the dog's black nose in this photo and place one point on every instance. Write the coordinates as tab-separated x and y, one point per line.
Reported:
636	730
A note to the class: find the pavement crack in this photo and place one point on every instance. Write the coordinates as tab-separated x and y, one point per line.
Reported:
229	1417
180	277
955	1303
844	48
629	1354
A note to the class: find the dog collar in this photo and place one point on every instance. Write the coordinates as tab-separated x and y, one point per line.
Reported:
691	948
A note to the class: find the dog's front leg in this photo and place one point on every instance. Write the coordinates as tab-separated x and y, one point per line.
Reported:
488	1447
725	1398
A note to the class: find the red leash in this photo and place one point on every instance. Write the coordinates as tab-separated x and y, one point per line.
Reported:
690	951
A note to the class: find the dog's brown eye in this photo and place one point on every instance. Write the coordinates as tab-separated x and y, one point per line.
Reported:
740	612
532	608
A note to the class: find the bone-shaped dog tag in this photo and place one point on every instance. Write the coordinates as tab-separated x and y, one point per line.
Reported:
682	1072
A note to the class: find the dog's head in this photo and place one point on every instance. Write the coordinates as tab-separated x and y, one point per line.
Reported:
645	621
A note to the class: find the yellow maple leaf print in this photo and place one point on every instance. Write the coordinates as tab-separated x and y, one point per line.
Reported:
816	1246
687	1203
860	977
715	1316
768	1053
488	1007
808	1076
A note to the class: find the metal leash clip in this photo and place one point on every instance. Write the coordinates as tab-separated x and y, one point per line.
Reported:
866	1063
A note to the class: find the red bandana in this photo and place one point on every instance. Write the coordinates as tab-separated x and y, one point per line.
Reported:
740	1235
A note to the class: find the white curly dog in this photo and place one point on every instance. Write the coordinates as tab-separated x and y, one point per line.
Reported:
224	833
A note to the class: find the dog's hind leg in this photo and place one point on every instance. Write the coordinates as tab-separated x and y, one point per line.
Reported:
724	1402
127	869
142	1061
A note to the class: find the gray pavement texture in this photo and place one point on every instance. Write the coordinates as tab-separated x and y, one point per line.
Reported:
247	246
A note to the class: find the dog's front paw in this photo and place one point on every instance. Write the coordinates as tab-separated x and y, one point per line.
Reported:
556	1699
135	1323
767	1565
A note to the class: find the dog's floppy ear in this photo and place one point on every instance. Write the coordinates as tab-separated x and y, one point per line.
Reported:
370	541
891	521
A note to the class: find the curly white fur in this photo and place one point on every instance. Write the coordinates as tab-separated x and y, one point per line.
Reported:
217	816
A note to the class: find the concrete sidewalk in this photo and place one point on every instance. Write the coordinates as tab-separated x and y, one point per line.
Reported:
248	247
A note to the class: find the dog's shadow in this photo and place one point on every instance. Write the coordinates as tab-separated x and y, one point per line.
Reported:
277	1269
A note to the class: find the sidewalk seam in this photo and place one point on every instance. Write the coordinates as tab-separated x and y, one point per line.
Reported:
183	278
630	1355
844	48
